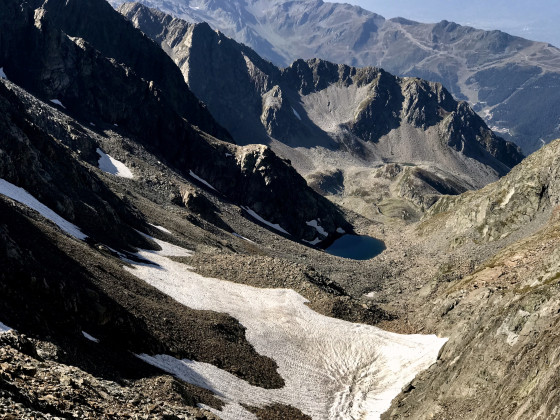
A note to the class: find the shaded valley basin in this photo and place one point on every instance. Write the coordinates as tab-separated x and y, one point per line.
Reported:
356	247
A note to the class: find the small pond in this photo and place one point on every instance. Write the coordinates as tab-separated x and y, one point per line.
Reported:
356	247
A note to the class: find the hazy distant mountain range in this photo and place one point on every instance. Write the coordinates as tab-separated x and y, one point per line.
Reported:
512	82
536	20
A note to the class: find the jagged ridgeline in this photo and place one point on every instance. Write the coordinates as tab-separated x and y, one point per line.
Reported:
323	117
513	82
118	76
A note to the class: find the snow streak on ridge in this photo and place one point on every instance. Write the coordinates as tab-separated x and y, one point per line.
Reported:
20	195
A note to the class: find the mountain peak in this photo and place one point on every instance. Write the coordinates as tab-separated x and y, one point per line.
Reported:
488	69
321	112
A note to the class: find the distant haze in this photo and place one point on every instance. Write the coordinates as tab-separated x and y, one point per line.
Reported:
536	20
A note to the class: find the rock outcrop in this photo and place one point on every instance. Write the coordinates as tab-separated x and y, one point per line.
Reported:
527	195
482	269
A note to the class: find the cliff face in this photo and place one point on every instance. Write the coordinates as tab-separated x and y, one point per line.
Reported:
67	51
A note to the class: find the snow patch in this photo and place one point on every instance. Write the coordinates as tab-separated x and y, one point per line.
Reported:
266	222
333	369
196	373
57	102
161	228
318	227
4	328
114	251
242	237
113	166
2	74
296	114
511	337
507	198
199	179
500	130
340	230
90	337
487	114
21	196
313	242
167	249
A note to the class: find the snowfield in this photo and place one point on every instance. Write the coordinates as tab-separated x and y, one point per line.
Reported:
333	369
237	235
161	228
313	242
318	227
90	337
113	166
21	196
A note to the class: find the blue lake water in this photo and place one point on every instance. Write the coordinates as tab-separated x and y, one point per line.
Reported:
356	247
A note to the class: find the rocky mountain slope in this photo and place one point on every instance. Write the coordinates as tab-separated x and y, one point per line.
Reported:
512	82
495	294
323	116
98	328
100	89
105	177
153	270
